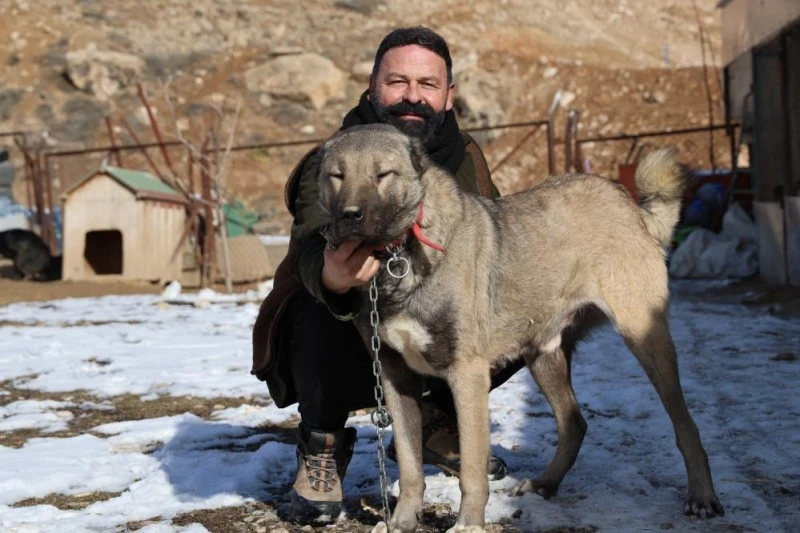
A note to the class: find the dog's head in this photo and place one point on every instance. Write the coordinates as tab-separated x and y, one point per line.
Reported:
369	184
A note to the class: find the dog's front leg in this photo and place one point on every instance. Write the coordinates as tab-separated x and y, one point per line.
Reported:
403	389
469	381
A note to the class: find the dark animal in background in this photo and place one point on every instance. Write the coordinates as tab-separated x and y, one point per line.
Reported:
30	254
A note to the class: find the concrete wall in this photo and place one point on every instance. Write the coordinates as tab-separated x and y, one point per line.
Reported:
792	215
748	23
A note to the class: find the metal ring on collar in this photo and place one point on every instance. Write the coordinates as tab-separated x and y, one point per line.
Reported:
405	267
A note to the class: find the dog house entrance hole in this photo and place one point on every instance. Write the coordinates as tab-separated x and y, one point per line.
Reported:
103	252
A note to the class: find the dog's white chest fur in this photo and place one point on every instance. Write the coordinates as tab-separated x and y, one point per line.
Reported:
410	338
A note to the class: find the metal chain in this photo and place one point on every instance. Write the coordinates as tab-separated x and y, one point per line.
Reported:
380	417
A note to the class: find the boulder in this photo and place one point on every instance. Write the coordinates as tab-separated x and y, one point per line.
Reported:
477	100
102	73
309	79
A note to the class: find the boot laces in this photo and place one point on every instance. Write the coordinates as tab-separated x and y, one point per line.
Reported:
321	470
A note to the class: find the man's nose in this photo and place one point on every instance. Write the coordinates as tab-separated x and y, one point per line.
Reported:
353	212
412	94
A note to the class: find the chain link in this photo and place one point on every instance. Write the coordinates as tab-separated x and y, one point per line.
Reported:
380	417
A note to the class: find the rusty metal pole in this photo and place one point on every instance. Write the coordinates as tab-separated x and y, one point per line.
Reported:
578	154
35	187
50	217
551	113
51	202
568	164
514	150
116	152
29	191
155	127
190	170
139	144
38	195
209	251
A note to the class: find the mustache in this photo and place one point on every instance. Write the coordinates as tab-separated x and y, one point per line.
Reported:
421	109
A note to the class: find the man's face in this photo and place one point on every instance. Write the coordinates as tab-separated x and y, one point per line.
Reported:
411	91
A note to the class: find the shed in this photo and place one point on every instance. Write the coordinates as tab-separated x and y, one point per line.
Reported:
122	224
761	54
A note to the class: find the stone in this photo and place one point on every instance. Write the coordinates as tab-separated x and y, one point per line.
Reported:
102	73
361	71
309	79
365	7
477	100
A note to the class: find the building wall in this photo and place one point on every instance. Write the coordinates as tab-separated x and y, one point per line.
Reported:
158	237
748	23
99	204
792	53
770	156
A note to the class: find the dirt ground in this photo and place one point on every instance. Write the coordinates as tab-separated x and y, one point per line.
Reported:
13	290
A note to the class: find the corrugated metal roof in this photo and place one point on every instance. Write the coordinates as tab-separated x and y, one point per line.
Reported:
141	183
139	180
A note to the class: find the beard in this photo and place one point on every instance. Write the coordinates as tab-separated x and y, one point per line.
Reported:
424	129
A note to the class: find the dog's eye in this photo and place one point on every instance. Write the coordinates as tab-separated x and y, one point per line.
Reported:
386	174
336	175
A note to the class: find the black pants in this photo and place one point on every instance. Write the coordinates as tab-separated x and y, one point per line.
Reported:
331	369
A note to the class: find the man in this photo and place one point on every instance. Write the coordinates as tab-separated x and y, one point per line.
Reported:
299	347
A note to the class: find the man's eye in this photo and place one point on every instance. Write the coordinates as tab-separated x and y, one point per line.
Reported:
386	174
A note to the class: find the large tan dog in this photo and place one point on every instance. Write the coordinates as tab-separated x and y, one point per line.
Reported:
525	276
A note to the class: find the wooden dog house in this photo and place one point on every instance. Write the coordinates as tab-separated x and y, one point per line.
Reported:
122	224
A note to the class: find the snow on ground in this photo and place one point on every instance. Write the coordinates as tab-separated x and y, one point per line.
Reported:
628	477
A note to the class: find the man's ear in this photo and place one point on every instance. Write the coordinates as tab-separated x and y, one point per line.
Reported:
419	158
451	97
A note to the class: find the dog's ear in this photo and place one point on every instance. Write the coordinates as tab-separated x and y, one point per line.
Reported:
419	158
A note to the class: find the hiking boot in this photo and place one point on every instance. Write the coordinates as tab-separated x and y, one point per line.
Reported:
440	445
322	460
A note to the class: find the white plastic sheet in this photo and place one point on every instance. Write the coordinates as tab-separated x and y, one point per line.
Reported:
733	253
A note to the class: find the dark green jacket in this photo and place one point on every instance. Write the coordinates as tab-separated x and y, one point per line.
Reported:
302	267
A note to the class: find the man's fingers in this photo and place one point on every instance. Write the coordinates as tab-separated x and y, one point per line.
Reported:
346	249
368	268
342	254
376	267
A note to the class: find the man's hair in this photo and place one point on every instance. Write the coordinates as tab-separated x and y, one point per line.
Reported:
419	35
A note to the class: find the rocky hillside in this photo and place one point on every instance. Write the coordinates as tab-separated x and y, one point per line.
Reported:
296	67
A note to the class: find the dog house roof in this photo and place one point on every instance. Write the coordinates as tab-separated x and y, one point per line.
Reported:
141	183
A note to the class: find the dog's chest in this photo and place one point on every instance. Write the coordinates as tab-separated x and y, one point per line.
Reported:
411	339
426	347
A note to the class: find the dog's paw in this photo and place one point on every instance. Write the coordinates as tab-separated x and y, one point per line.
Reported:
380	527
708	507
543	489
466	529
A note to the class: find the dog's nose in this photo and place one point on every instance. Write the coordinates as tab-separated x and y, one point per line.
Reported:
353	212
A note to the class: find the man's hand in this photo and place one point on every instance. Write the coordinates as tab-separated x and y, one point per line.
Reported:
348	266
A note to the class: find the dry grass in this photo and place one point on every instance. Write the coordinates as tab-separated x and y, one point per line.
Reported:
69	503
125	408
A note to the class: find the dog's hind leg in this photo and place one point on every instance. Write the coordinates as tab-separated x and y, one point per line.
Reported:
551	372
647	335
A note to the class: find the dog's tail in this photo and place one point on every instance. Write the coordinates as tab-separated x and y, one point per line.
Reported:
660	182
